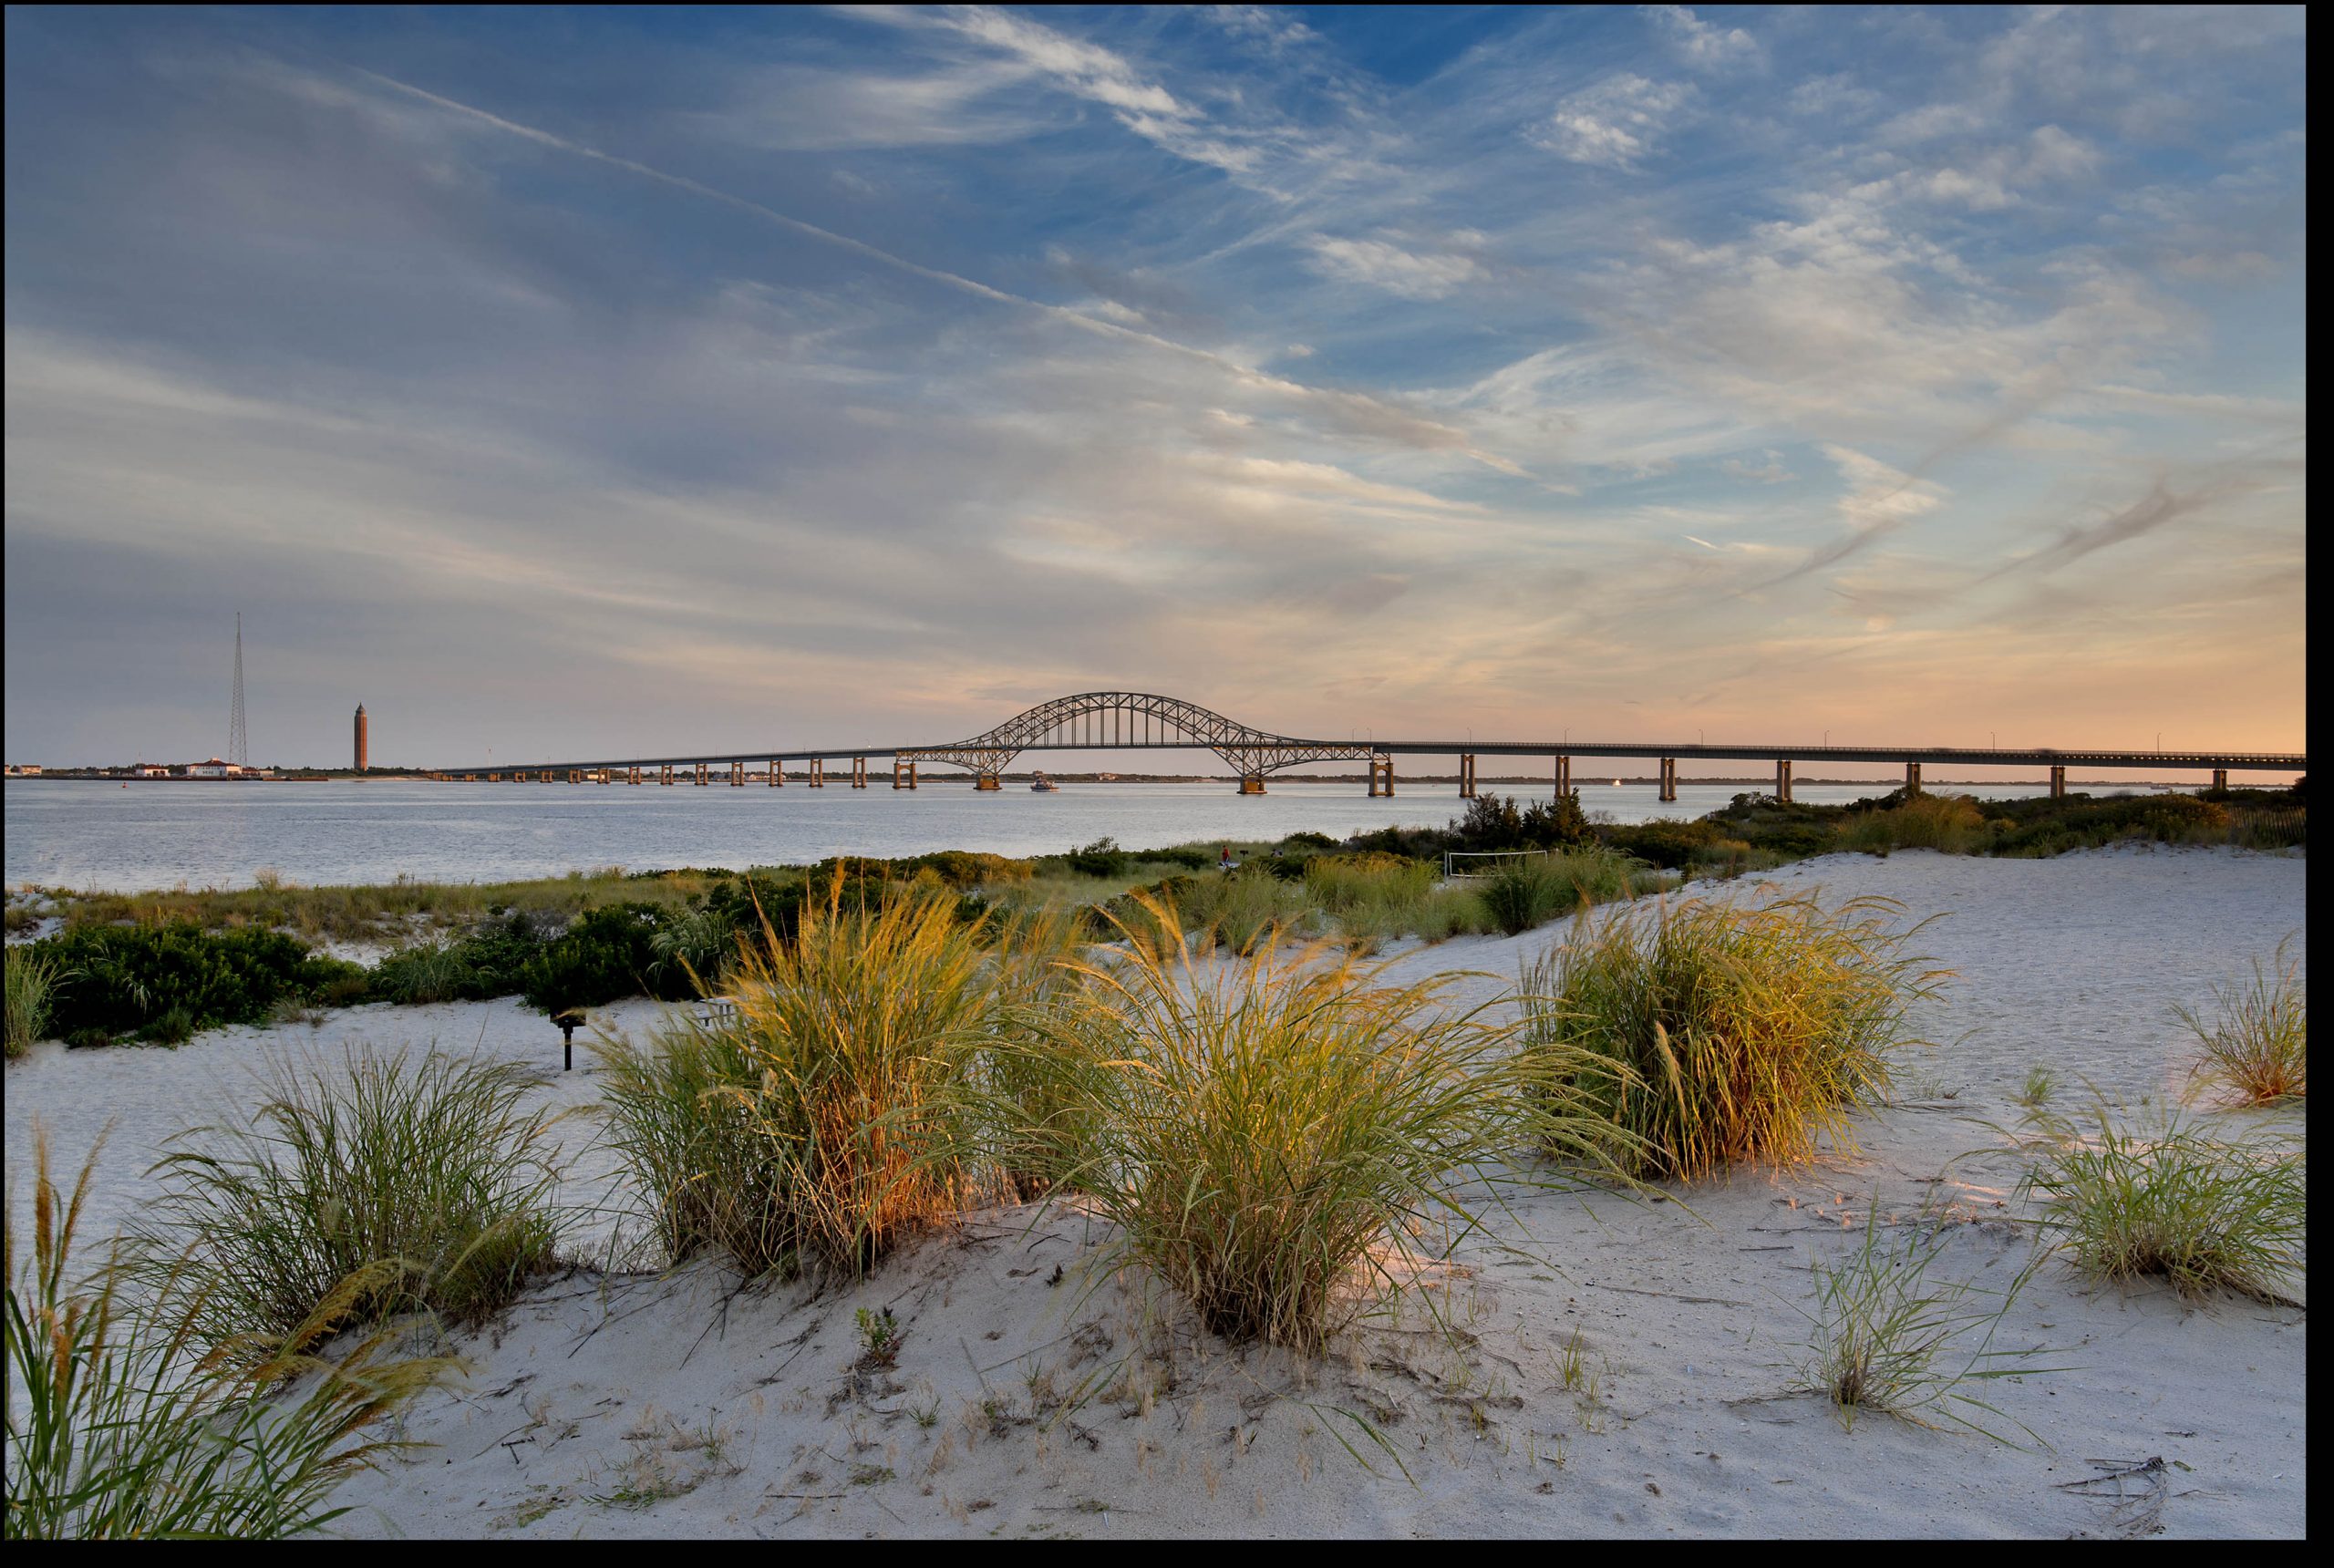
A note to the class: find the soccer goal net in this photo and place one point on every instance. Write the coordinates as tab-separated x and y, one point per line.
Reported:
1471	862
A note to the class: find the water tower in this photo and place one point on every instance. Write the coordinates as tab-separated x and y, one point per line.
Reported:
360	737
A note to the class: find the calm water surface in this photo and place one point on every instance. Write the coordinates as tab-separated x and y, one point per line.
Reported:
96	834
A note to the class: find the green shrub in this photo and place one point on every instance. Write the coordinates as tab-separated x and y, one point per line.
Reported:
178	979
605	954
1521	894
1663	843
1950	824
432	1180
127	1421
2174	1203
1102	858
1715	1033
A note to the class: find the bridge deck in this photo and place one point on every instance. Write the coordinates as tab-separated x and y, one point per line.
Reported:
1973	757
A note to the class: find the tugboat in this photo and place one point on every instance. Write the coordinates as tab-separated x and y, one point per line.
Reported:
1044	786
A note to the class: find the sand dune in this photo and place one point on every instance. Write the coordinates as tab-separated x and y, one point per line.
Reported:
1618	1367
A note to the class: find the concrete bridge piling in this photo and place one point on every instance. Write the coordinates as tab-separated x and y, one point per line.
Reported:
818	773
1668	779
1381	777
2058	781
1563	777
859	773
1912	779
1782	779
903	773
1466	776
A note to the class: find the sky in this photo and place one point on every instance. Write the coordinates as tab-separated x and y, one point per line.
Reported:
630	382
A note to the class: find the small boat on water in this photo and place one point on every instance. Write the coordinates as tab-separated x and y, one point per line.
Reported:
1044	786
1617	783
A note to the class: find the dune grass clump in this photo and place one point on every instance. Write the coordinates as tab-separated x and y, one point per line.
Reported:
2256	1043
1528	893
31	984
1244	908
126	1420
433	1180
1890	1335
2205	1215
822	1121
1272	1133
1714	1032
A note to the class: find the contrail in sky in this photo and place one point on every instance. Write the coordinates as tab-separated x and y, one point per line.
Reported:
1420	431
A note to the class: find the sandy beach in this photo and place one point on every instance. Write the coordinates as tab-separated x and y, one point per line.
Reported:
1614	1365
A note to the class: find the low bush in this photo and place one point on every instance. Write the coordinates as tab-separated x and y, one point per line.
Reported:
2203	1214
127	1421
2256	1043
1666	844
1271	1135
606	953
1715	1033
1950	824
177	979
1102	858
431	1180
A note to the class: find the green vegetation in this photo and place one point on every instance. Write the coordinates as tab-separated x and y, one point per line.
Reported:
2205	1214
1272	1131
32	977
428	1182
165	982
1888	1335
127	1421
1714	1034
820	1122
2257	1044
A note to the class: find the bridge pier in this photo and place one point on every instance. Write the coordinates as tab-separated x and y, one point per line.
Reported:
575	776
665	773
2058	781
703	774
1563	777
903	773
1252	783
1381	777
2220	777
987	781
737	776
777	776
859	773
1466	776
1912	779
633	777
818	773
1782	779
1668	779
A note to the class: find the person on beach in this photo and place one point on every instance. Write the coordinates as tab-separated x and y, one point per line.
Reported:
1224	861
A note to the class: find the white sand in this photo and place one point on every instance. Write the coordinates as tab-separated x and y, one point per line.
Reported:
683	1405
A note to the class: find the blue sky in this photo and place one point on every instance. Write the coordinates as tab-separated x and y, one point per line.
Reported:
641	380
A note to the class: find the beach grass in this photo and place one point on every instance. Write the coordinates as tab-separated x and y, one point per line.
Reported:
1715	1033
31	984
2256	1043
2205	1215
1892	1333
1273	1134
824	1108
126	1420
432	1178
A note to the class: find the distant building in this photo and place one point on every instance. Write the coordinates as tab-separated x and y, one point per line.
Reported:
214	769
360	737
24	769
150	770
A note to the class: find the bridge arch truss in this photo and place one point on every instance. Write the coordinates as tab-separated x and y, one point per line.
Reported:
1118	720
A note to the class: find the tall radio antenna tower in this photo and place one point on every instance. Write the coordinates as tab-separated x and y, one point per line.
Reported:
239	750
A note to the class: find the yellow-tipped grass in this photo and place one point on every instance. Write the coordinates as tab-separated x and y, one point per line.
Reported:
128	1421
2256	1043
1272	1133
823	1121
2203	1214
432	1180
1714	1032
31	980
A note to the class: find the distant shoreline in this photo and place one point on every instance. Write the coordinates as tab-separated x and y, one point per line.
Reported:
944	781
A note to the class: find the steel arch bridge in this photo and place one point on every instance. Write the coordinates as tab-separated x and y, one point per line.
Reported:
1117	719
